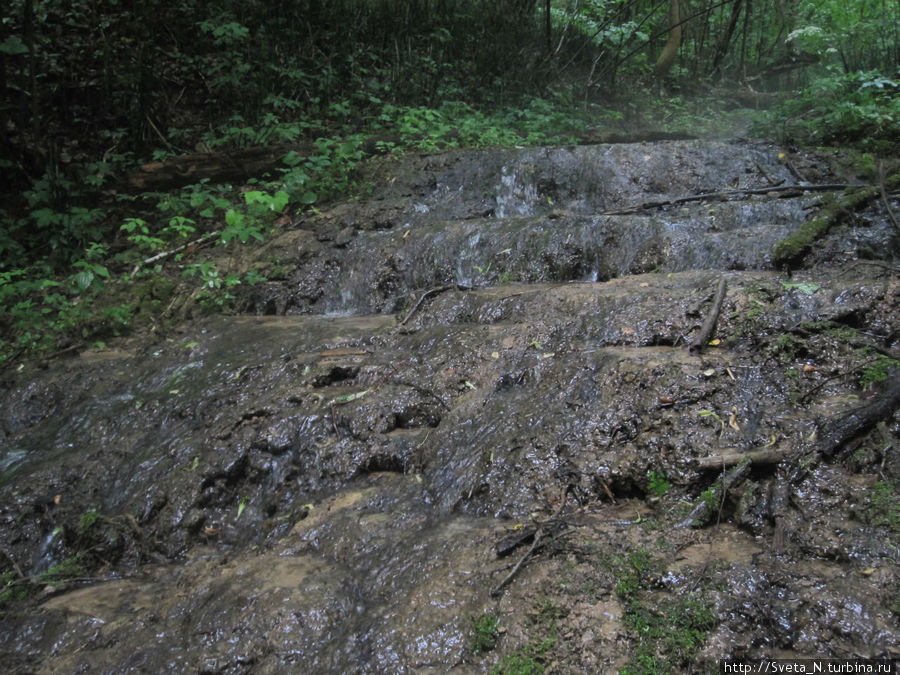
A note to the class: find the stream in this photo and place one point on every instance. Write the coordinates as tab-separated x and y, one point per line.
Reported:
489	343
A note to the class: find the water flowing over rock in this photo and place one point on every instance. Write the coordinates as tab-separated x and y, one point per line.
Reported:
490	342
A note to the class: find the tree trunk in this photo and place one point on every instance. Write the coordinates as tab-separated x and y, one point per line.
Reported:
670	51
725	41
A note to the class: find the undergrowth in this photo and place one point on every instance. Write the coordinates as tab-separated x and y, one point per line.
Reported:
81	262
79	265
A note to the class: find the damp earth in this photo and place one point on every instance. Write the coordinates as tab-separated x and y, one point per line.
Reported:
469	424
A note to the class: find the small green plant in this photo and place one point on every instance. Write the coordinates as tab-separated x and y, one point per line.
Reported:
710	497
668	635
87	521
527	660
878	371
12	589
485	633
658	485
69	568
214	288
883	506
240	226
786	347
632	570
139	234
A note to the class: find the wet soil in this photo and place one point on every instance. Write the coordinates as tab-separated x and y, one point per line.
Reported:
469	399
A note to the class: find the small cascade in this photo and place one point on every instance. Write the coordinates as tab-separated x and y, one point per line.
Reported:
514	198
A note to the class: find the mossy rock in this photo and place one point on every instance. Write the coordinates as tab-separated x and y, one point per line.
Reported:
793	247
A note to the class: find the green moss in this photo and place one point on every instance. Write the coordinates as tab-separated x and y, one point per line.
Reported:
883	507
69	568
878	371
787	347
88	521
796	245
13	588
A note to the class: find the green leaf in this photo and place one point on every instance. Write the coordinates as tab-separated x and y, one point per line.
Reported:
84	278
13	46
346	398
805	287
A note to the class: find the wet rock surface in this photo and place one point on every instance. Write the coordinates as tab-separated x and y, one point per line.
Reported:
480	349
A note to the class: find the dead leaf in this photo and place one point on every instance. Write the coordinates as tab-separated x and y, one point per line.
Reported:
732	421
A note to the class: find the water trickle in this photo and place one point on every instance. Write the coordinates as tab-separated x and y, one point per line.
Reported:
514	198
48	554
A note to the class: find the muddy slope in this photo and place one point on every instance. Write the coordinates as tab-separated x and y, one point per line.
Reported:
478	357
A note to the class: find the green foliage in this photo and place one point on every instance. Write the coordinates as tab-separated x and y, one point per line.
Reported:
12	589
883	506
214	288
668	635
668	632
860	107
325	174
69	568
710	497
631	571
878	371
529	659
87	522
657	483
485	633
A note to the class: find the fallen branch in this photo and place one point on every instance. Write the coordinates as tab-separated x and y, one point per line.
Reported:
728	194
552	525
206	238
495	591
763	456
710	324
426	294
837	432
712	498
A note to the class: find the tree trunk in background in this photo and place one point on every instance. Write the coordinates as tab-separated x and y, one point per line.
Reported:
670	51
725	40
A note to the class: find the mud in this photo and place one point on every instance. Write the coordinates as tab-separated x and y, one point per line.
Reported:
478	349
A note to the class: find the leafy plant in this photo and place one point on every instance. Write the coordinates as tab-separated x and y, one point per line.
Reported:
485	633
878	371
668	636
861	107
214	288
657	483
883	506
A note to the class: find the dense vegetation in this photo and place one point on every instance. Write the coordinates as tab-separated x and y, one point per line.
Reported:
93	88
